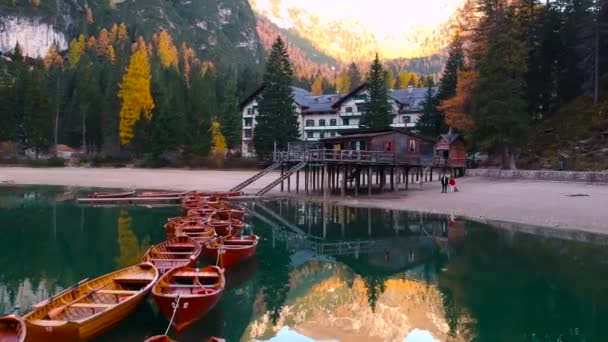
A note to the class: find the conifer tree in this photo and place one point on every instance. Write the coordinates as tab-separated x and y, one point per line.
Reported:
36	113
449	78
499	105
135	95
354	75
378	111
277	121
163	134
230	116
431	123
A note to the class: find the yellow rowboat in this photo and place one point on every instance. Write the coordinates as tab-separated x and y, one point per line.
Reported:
92	307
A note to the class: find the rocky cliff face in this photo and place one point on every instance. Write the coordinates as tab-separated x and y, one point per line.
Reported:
33	35
221	30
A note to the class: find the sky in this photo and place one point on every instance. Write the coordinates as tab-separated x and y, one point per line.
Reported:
381	17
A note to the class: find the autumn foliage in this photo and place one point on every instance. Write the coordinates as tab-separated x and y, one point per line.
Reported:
458	108
167	51
135	96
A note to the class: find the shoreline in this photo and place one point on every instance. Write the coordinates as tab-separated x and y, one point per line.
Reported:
560	206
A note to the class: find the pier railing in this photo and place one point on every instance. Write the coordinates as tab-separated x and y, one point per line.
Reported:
351	156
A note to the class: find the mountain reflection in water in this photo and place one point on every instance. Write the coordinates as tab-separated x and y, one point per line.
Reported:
325	272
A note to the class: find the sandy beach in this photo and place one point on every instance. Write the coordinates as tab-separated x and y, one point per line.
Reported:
565	206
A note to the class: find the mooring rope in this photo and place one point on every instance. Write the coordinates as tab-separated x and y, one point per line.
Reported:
219	253
174	312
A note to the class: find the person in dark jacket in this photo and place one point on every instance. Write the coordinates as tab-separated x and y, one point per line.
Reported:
444	183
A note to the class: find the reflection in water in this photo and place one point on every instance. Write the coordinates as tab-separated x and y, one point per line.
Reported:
325	271
131	251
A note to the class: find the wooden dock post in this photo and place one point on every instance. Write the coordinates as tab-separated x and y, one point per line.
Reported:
282	171
392	178
343	192
369	180
357	183
325	182
306	178
407	177
289	183
297	182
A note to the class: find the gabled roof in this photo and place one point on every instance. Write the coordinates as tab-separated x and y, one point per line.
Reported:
309	103
299	95
451	136
412	97
349	95
370	132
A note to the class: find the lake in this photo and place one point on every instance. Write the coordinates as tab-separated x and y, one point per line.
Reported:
323	272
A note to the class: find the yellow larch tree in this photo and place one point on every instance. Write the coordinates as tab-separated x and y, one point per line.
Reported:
404	79
458	108
52	57
167	50
91	42
317	86
219	146
113	33
207	67
390	79
103	41
188	57
111	54
343	82
135	95
122	32
76	50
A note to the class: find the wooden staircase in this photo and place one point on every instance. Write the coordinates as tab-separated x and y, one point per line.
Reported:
286	175
256	177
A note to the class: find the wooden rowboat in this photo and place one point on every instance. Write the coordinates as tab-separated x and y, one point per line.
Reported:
216	193
233	249
112	194
196	291
199	233
91	307
179	251
236	227
204	211
12	329
160	338
161	194
221	227
216	339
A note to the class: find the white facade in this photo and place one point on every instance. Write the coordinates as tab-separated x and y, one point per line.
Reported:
315	125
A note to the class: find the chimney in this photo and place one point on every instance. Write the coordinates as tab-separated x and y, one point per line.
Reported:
450	131
410	88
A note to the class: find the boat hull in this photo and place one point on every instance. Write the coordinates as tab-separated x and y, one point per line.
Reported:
231	255
112	194
12	329
190	310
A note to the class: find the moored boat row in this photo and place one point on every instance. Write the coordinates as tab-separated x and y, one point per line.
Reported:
210	227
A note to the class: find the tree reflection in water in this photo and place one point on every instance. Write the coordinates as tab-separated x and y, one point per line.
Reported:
131	251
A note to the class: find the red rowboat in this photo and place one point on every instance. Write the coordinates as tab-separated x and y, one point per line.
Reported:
234	249
236	227
216	193
222	227
160	338
196	291
12	329
112	194
216	339
179	251
160	194
204	211
237	213
199	233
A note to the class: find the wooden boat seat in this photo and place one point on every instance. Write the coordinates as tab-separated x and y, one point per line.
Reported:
48	322
134	279
181	245
171	253
196	274
163	259
238	243
187	286
92	305
118	292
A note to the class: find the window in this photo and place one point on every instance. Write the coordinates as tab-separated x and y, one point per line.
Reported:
361	97
248	133
249	111
345	122
309	135
249	148
412	148
255	109
310	123
322	122
332	122
333	134
349	109
322	135
248	122
407	119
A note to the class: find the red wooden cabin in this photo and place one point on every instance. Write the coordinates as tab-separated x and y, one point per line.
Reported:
451	151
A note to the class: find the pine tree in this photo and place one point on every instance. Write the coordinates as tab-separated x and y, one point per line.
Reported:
135	95
354	75
36	112
277	121
203	107
230	116
378	111
431	123
163	134
449	78
499	105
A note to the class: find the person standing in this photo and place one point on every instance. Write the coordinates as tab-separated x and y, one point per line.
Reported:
444	183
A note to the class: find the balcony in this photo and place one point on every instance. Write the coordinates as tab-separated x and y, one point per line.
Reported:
329	128
351	114
403	125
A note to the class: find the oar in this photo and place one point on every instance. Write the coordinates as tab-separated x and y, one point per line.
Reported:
56	311
48	300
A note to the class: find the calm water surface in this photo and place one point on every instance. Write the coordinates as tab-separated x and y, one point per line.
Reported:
324	272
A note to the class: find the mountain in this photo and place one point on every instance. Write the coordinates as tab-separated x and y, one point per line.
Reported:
219	30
